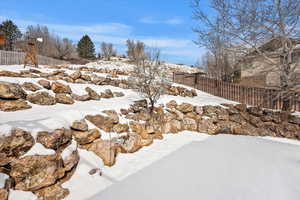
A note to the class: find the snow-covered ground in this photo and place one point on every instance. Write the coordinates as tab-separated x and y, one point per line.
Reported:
188	165
220	167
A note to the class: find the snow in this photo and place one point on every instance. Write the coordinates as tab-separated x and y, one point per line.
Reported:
126	165
18	194
40	150
3	177
221	167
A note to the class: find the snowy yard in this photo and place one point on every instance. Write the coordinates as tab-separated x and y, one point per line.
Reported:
187	165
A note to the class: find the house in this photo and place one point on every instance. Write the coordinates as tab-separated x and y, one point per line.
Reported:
255	67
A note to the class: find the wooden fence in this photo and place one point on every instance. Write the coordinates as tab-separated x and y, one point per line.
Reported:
266	98
17	58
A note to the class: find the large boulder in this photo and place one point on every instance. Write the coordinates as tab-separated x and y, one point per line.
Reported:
207	126
58	139
104	123
120	128
31	173
81	97
189	124
107	94
11	91
93	95
118	94
15	145
185	107
41	98
3	194
46	84
173	126
135	142
75	75
58	87
86	137
112	114
13	105
31	86
106	150
63	98
80	125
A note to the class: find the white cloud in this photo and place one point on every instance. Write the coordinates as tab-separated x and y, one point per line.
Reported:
151	20
117	33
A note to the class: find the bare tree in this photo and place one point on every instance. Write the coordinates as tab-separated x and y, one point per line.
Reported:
107	51
248	24
149	78
136	51
64	48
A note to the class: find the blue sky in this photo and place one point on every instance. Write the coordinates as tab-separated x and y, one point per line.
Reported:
165	24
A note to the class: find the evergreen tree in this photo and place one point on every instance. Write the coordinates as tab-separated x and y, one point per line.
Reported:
86	48
12	33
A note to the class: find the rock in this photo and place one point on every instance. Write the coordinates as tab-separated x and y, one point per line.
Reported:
241	107
238	118
199	110
31	173
106	150
140	104
10	74
71	160
11	91
207	126
81	98
189	124
75	75
81	81
93	95
124	111
63	99
104	123
185	107
41	98
13	105
112	114
120	128
46	84
135	143
107	94
172	104
80	125
30	86
3	194
246	129
173	126
194	92
86	77
56	140
86	137
118	94
53	192
15	145
58	87
258	112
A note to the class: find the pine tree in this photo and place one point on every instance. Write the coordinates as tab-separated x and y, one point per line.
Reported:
12	33
86	48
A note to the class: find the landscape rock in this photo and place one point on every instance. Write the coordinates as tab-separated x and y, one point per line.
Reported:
31	86
15	145
56	140
58	87
81	98
75	75
46	84
13	105
118	94
31	173
41	98
86	137
11	91
80	125
107	94
106	150
104	123
63	98
93	95
120	128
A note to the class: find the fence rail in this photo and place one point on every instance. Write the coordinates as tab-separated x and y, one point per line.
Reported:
262	97
17	58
